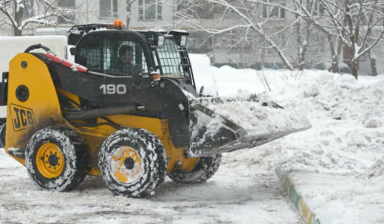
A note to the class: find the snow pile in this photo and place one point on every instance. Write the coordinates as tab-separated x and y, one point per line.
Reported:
262	120
373	123
339	108
338	164
377	170
232	81
340	113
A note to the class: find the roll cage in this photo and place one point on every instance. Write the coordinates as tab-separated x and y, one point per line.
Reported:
168	58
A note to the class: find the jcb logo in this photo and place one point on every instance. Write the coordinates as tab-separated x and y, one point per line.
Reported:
22	117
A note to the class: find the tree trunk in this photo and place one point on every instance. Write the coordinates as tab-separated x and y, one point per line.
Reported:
16	32
19	20
335	56
303	63
339	48
355	68
302	57
129	9
299	45
304	45
372	59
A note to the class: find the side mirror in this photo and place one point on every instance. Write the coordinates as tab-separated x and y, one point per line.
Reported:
72	50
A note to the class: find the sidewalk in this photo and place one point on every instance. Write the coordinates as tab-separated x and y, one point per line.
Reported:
335	198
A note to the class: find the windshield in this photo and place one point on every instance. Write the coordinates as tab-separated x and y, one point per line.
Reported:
113	53
170	59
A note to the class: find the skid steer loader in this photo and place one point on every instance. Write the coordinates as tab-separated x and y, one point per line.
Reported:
133	126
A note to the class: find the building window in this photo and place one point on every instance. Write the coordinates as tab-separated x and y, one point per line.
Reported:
185	8
66	3
273	11
150	10
108	8
69	17
27	7
205	11
199	10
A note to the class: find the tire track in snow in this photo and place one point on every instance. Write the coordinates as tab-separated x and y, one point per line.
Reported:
240	192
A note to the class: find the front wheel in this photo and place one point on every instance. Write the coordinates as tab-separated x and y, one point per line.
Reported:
132	162
204	169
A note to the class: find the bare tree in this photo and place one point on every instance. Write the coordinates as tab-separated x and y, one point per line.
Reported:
20	13
239	17
354	22
305	31
309	20
257	28
348	23
129	12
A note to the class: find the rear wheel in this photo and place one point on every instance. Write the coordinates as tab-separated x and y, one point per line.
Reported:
132	162
3	129
2	120
57	158
204	169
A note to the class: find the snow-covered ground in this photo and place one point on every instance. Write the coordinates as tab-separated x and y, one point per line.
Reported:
241	192
335	165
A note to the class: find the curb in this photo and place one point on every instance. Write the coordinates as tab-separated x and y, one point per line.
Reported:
306	214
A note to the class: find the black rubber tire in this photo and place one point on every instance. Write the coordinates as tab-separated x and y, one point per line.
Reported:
3	128
153	162
75	153
204	169
3	121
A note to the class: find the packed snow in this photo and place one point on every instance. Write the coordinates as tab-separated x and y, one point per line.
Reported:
337	165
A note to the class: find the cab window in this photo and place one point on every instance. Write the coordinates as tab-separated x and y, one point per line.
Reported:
112	56
126	58
170	59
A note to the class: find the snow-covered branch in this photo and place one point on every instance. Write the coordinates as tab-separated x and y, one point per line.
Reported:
354	25
20	13
242	14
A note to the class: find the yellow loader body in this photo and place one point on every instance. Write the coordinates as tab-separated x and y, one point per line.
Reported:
42	109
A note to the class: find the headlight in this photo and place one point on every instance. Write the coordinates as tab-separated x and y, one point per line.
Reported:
183	41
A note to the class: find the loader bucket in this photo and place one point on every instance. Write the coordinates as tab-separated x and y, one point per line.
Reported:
220	125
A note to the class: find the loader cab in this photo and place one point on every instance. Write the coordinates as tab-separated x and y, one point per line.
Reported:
106	52
98	47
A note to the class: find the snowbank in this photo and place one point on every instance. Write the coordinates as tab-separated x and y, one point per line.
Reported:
231	81
202	72
337	165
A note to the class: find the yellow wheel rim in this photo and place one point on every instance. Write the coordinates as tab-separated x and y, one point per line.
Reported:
126	164
50	160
